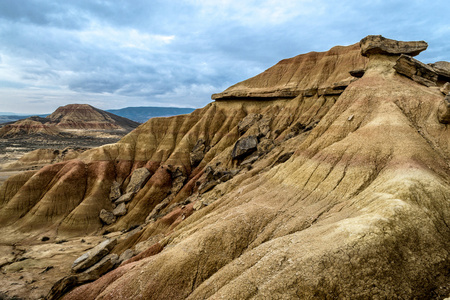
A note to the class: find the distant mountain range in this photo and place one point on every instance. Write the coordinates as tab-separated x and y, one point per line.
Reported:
138	114
143	113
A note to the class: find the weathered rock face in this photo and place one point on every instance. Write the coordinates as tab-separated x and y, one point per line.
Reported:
416	70
244	147
248	122
93	256
107	217
120	210
444	110
138	178
198	152
125	198
445	89
115	192
442	68
377	44
345	195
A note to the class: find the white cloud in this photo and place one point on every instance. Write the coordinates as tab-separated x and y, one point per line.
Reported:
121	53
123	38
258	13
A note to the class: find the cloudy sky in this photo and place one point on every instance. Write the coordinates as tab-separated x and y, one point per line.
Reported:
117	53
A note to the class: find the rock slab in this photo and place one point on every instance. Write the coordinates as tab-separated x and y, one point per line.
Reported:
115	191
94	255
442	68
120	210
244	147
138	178
125	198
377	44
198	152
416	70
107	217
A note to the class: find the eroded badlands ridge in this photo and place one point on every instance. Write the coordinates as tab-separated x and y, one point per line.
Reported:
69	117
335	185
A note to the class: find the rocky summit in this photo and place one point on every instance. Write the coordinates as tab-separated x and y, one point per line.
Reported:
325	177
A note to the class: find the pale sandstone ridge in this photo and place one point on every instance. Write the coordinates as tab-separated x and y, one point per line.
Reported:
377	44
324	195
306	74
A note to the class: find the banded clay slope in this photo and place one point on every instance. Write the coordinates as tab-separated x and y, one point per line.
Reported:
338	192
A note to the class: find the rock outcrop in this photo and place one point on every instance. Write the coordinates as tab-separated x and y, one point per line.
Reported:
416	70
341	190
442	68
444	110
244	147
93	256
138	178
377	44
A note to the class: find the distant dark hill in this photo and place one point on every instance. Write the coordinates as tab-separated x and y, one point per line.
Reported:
143	113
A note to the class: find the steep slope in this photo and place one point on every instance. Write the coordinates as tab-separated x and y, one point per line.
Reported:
329	191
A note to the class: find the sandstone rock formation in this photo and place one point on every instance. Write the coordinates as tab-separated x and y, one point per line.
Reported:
442	68
344	196
120	210
377	44
416	70
444	110
244	147
305	73
93	256
138	178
